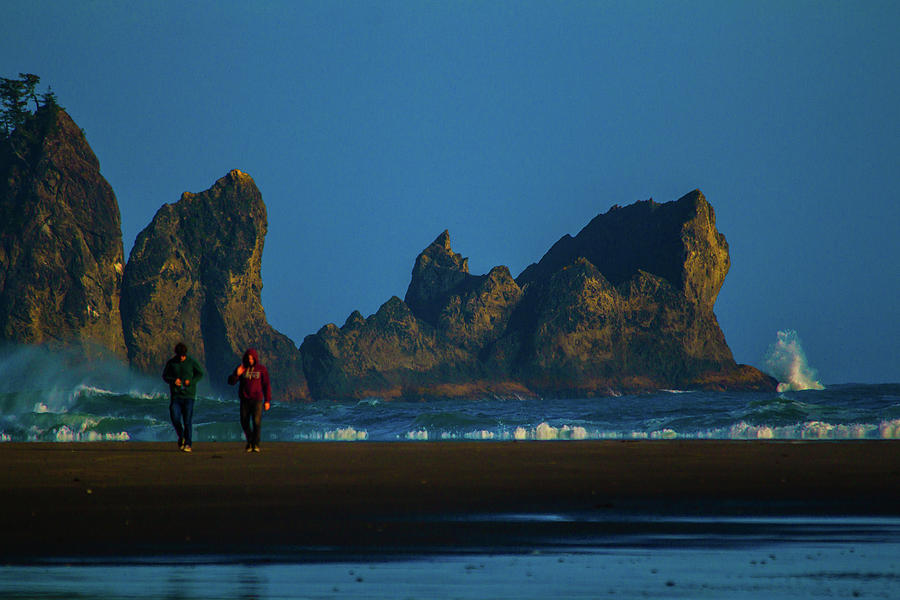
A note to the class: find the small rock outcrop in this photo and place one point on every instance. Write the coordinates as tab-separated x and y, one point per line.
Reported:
389	355
194	276
469	311
61	258
428	345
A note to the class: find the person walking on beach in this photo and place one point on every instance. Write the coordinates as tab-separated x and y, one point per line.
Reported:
182	374
255	394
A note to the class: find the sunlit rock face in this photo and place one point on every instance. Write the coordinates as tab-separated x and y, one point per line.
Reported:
626	305
61	258
194	276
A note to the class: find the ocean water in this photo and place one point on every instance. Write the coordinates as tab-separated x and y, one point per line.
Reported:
91	413
50	397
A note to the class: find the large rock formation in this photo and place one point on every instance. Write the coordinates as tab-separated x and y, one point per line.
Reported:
60	240
626	305
194	276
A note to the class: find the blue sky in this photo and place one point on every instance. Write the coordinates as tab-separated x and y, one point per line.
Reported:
370	127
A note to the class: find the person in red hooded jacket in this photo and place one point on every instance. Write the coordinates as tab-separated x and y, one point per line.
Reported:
255	394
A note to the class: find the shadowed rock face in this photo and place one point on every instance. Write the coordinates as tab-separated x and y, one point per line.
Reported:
676	241
626	305
61	258
194	276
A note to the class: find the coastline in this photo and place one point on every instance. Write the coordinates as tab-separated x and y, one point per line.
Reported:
141	499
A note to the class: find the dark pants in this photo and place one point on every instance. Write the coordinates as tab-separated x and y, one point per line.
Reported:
251	419
182	412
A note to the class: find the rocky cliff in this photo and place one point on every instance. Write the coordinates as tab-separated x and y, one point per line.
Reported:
61	258
626	305
194	276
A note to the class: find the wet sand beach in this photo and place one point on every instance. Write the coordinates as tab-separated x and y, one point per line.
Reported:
143	499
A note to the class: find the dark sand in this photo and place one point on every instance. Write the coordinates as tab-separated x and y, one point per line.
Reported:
134	499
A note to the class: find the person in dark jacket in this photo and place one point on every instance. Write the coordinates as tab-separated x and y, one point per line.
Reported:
182	374
255	394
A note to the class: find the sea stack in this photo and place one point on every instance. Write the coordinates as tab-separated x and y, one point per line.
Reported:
194	276
627	304
61	248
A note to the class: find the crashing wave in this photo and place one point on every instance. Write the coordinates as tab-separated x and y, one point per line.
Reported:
786	361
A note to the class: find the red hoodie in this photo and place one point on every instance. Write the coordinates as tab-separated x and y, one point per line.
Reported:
254	380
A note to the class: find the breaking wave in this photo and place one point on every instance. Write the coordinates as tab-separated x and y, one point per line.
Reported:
786	361
60	403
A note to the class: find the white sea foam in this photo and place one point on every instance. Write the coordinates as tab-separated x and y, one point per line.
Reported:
810	430
664	434
889	430
147	395
348	434
90	389
65	434
786	361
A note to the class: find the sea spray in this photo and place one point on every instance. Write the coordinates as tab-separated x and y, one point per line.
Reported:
786	361
59	376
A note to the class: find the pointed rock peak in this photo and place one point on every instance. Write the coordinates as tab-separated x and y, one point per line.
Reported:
443	241
438	270
440	254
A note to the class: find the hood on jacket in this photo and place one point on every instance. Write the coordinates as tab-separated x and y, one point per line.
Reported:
246	360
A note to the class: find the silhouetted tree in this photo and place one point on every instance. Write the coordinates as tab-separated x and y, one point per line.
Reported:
14	97
15	109
29	82
49	98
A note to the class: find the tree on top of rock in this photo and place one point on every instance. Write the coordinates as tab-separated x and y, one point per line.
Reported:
14	97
